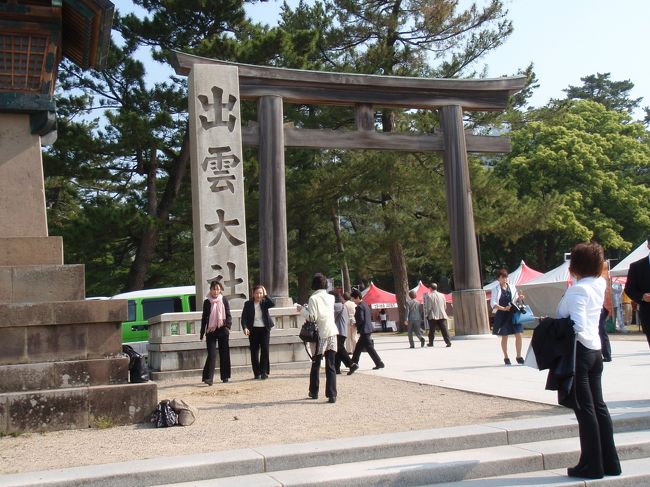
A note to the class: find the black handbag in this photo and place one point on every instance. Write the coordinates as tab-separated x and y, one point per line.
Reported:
309	332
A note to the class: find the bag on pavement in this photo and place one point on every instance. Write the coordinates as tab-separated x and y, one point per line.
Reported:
164	416
138	370
186	413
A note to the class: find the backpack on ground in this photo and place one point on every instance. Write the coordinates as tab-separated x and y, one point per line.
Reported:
138	370
164	416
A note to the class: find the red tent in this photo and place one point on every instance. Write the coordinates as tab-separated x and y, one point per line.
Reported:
421	290
378	298
521	275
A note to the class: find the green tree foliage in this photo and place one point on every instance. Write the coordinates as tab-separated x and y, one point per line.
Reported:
614	95
588	166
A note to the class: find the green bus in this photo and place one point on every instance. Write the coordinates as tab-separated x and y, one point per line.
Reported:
147	303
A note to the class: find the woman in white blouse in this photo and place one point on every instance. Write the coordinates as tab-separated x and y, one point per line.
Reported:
582	303
320	309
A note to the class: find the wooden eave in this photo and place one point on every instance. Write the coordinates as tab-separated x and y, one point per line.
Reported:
329	88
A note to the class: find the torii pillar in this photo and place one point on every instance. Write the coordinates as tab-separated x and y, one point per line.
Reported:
470	311
274	262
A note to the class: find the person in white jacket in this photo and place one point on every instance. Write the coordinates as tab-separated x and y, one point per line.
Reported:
501	302
320	309
582	303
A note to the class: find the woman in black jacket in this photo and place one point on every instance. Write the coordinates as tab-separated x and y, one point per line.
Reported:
215	326
256	323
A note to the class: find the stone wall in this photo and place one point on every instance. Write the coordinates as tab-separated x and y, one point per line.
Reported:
175	347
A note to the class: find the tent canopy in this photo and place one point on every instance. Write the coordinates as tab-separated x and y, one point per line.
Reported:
378	298
544	293
520	275
623	266
421	290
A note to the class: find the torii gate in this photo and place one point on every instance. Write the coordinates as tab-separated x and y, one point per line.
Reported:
272	86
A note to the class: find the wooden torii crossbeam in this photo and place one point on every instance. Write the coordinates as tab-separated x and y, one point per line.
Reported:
272	86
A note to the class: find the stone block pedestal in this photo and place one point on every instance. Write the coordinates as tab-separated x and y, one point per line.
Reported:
61	365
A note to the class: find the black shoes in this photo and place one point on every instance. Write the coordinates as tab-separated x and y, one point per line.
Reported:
506	361
208	382
422	342
225	381
520	360
449	345
380	366
412	346
353	369
582	472
312	396
264	377
430	345
258	377
331	400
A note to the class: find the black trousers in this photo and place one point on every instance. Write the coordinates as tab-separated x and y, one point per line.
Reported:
211	341
644	317
341	354
259	340
598	454
605	346
330	374
442	326
364	343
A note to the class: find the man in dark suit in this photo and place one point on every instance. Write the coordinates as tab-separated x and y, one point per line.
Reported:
637	288
365	329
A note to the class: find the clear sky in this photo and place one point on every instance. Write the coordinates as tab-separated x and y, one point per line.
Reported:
565	39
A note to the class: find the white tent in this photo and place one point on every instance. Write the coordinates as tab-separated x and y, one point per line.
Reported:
544	293
623	266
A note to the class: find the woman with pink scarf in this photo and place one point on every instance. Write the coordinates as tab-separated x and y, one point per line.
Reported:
215	326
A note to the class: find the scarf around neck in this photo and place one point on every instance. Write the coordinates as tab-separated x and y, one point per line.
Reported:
217	313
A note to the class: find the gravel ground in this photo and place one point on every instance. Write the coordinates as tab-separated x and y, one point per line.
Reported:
248	413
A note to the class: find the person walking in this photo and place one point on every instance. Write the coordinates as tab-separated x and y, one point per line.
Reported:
637	287
320	309
256	323
342	322
436	314
351	341
365	328
583	302
216	321
501	302
414	319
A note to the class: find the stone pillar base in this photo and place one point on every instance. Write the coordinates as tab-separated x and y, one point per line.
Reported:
283	302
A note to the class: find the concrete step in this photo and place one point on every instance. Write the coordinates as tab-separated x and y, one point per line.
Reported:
76	407
64	374
436	468
636	473
415	457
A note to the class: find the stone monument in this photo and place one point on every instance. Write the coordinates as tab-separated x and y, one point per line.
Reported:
60	358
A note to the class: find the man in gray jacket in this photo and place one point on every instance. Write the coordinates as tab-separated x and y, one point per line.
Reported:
414	318
434	311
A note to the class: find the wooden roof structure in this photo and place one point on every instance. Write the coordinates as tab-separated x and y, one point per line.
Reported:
366	93
323	87
36	34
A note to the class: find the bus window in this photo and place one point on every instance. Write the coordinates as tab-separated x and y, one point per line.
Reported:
155	307
131	310
192	300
